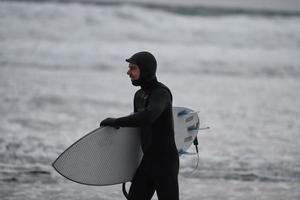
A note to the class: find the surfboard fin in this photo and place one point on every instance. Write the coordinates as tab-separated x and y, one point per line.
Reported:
192	128
182	152
185	112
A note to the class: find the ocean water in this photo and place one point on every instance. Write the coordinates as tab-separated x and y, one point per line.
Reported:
63	70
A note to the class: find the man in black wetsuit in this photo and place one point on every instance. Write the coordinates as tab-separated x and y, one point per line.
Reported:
159	167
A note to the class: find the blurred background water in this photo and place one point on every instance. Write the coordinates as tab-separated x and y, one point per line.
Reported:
63	69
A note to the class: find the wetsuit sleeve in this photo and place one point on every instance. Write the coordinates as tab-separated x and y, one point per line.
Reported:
158	101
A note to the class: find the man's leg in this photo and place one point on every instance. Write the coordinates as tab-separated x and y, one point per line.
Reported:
142	187
166	186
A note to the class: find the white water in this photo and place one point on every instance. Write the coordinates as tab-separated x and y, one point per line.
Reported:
62	71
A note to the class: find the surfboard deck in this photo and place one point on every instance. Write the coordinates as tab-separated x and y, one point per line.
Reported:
108	156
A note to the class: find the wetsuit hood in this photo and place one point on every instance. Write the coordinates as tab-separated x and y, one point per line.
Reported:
147	65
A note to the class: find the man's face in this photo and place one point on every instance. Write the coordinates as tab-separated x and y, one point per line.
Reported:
133	72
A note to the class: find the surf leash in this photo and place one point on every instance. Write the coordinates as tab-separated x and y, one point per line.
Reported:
124	190
196	143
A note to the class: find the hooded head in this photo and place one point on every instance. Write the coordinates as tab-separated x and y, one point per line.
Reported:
147	65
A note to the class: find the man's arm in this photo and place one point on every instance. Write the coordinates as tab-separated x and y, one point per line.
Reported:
158	101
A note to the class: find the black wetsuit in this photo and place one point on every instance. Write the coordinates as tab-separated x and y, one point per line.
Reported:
159	167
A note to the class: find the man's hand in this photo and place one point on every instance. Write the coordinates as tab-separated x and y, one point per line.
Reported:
109	122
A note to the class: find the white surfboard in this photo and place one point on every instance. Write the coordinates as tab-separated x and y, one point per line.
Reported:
108	156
